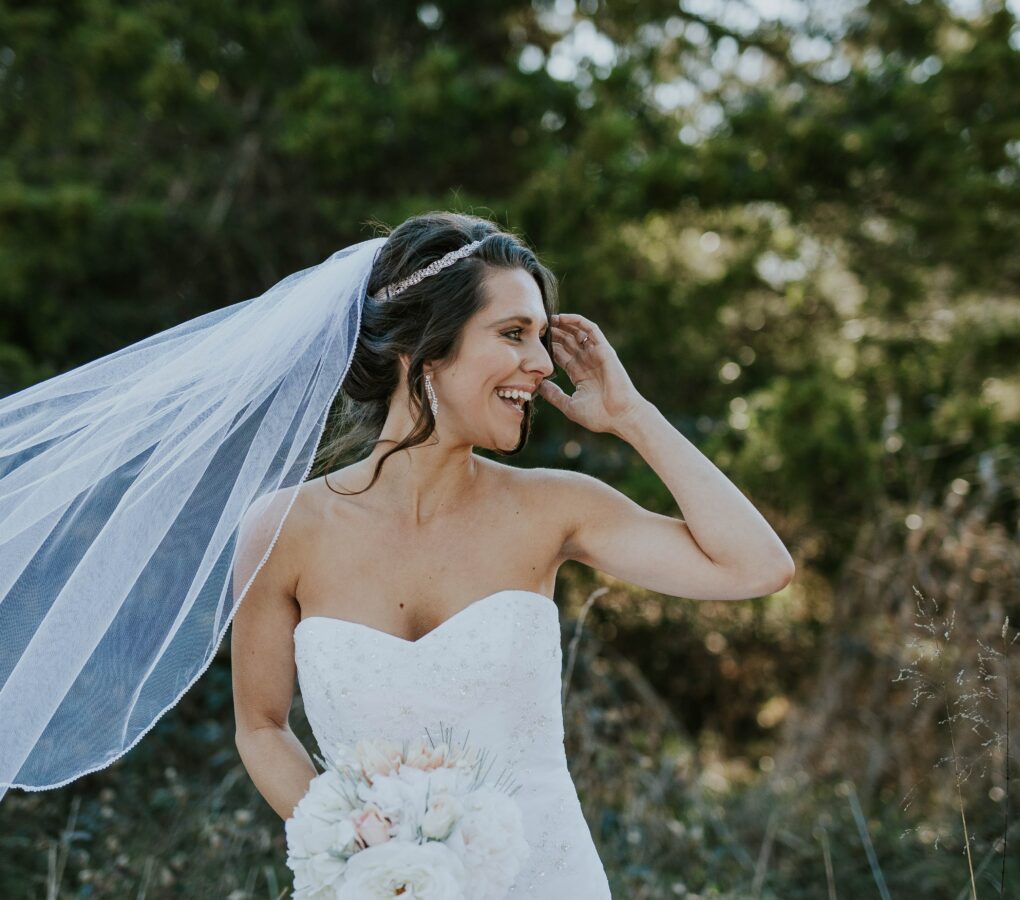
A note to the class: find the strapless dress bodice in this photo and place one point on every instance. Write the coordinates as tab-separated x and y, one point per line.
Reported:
493	673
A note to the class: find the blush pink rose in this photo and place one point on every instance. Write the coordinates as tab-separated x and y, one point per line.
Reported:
378	758
371	826
426	757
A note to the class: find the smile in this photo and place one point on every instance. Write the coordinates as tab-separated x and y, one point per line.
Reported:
508	403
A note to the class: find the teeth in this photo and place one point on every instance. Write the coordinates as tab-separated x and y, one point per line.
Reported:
514	395
515	398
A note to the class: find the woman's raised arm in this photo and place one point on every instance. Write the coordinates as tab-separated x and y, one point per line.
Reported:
722	549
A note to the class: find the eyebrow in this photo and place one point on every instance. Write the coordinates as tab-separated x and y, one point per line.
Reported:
527	320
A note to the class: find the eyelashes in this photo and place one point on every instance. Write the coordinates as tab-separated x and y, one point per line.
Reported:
542	337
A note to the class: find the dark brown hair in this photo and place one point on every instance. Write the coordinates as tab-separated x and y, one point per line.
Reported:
426	322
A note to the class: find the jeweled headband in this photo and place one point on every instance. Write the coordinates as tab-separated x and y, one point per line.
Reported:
391	290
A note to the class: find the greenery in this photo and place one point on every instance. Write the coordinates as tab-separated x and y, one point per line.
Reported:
801	236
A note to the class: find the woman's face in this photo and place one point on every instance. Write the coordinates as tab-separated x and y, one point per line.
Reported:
501	347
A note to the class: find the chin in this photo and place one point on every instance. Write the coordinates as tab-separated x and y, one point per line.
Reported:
512	444
516	443
503	444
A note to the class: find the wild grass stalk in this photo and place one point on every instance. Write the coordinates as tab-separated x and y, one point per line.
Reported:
939	690
58	851
869	849
147	867
1006	644
272	884
830	877
996	847
761	867
956	769
576	638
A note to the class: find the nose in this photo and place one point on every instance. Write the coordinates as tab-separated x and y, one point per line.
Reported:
541	361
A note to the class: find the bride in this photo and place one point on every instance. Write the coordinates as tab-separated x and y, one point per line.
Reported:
154	496
416	585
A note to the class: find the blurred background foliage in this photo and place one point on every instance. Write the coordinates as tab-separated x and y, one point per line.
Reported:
797	222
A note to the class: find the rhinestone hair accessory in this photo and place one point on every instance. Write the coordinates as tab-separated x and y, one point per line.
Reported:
391	290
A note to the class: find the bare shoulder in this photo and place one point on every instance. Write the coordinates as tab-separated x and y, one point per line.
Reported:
553	498
572	500
261	532
531	483
556	484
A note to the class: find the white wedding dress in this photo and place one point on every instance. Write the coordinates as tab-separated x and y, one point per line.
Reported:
492	672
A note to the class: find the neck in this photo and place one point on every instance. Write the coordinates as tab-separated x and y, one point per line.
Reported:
424	483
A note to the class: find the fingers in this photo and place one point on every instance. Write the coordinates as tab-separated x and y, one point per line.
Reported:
576	321
561	354
569	339
565	355
576	334
581	333
554	394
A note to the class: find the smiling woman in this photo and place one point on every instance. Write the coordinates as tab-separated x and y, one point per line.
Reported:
445	336
458	351
366	601
151	498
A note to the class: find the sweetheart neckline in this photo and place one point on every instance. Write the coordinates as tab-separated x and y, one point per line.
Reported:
440	626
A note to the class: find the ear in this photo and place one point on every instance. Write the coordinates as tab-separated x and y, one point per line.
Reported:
405	364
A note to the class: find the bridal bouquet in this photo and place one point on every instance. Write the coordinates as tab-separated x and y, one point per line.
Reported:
414	821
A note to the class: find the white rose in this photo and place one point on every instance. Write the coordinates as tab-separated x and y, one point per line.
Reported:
378	757
401	799
422	755
390	793
489	839
443	813
305	888
429	871
316	877
308	834
326	797
445	781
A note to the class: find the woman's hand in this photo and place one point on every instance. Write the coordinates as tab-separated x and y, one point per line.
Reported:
604	397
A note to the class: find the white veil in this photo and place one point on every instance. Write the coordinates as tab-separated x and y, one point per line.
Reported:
122	487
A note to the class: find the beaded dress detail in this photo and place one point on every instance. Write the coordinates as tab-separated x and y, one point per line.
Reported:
493	673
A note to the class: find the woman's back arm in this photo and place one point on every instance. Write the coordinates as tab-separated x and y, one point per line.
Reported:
262	658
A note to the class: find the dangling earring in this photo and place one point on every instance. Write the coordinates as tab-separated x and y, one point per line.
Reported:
433	402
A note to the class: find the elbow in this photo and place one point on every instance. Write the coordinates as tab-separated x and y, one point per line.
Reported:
240	740
769	578
761	581
244	734
785	571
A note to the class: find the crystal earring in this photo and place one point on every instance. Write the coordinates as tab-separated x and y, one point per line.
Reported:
433	402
